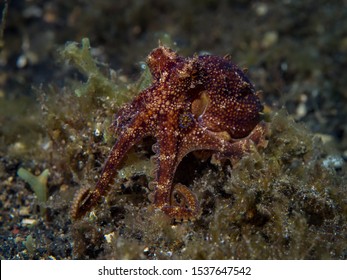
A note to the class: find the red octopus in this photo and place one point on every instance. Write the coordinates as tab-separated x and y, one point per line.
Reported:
197	103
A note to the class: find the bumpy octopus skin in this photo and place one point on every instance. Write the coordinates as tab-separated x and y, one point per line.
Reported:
198	103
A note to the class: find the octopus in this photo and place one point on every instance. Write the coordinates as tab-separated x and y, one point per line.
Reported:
204	102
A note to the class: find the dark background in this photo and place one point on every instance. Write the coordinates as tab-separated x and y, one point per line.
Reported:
295	50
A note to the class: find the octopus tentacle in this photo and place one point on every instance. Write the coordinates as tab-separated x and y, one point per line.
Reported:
184	204
178	201
222	143
86	200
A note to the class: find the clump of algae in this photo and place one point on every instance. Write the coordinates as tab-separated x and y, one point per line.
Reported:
80	56
77	118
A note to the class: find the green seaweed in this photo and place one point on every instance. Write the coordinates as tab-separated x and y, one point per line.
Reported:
78	119
99	84
136	164
81	58
38	184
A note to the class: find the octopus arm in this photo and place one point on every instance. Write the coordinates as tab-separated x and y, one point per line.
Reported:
87	198
177	201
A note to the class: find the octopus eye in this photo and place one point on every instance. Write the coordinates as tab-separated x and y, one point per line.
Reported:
200	104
